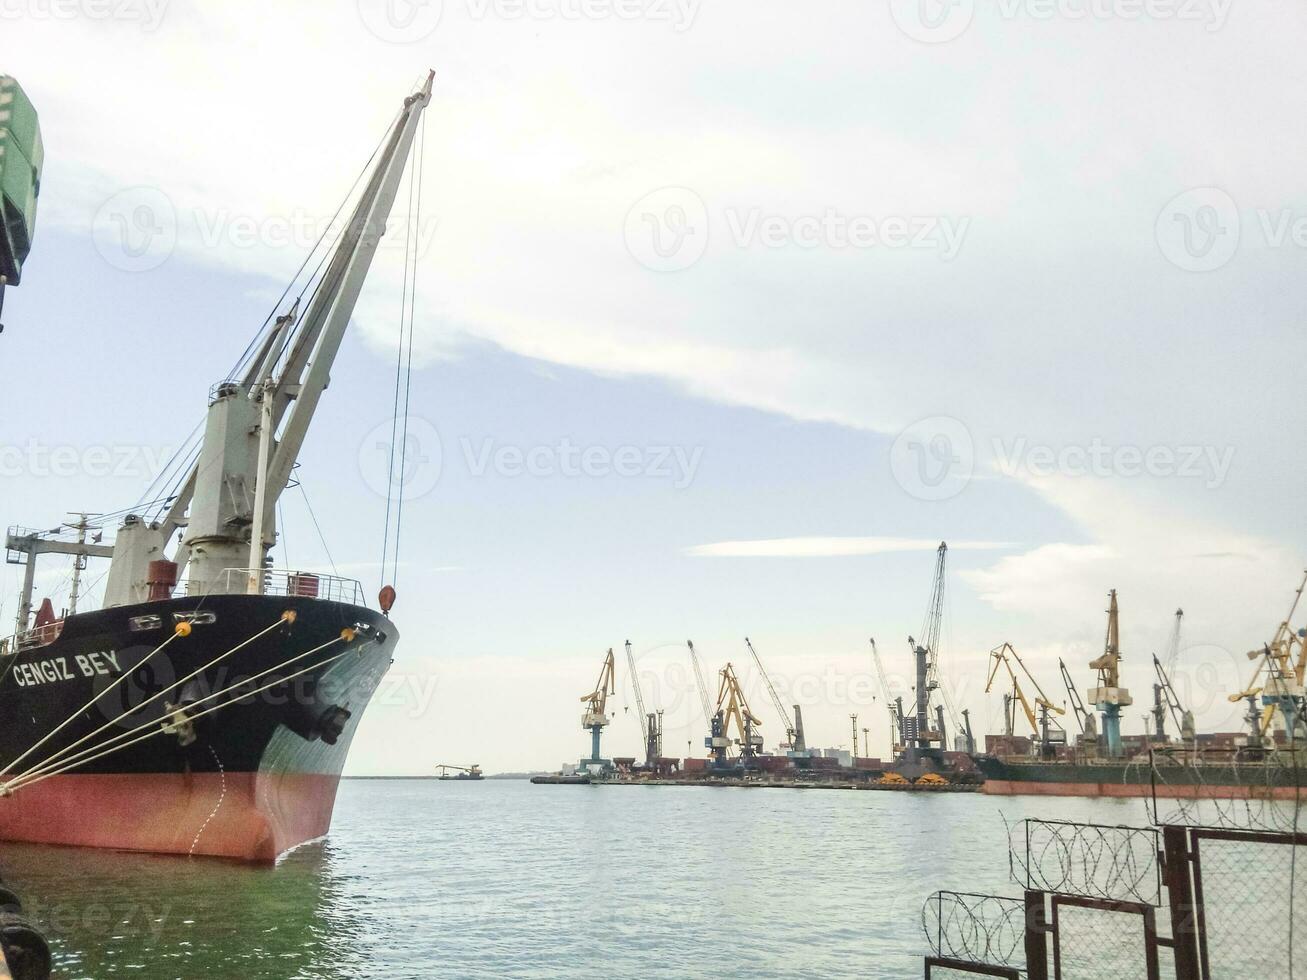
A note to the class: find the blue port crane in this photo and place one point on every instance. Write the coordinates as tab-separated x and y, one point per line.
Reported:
595	716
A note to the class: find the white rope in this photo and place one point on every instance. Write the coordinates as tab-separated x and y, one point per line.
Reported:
45	766
9	788
122	677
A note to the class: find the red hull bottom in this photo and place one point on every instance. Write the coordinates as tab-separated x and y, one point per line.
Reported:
249	816
1007	787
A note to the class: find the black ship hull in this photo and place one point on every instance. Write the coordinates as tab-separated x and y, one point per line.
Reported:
96	752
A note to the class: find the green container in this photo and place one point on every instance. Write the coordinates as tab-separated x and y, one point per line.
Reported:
21	156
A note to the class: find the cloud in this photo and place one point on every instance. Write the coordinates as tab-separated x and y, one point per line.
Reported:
830	547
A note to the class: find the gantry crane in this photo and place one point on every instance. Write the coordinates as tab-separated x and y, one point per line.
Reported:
1109	696
595	717
1281	675
651	723
733	708
1042	726
898	740
790	746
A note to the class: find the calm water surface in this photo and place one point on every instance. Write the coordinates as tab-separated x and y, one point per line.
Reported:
504	879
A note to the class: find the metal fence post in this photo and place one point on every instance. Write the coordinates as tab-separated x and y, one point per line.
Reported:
1180	891
1036	937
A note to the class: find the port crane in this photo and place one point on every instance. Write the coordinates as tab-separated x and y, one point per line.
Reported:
1088	726
1167	701
1109	697
926	655
699	684
733	707
1281	678
892	705
791	733
1043	726
595	716
651	722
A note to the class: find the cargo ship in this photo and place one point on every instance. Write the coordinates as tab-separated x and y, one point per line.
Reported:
1268	761
207	708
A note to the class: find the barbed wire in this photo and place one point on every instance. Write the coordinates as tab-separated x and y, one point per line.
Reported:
1235	789
977	928
1114	863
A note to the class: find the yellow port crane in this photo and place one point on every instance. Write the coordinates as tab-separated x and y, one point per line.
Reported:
733	708
1279	678
595	716
1041	726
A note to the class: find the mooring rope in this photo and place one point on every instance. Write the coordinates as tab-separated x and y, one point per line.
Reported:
11	788
183	629
81	756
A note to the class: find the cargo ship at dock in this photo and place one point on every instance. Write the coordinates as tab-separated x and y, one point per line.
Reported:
1266	762
207	708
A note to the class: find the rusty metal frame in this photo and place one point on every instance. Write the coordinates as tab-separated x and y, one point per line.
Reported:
1146	913
1197	834
963	966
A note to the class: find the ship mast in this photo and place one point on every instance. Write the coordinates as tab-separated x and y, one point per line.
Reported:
256	426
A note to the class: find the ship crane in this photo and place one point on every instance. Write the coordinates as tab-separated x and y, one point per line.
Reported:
1088	726
1042	726
791	733
892	705
1109	696
1279	679
733	709
595	716
651	723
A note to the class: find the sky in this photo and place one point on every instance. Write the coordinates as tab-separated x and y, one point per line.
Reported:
726	315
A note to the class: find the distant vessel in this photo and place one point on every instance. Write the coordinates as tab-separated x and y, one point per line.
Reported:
471	772
211	716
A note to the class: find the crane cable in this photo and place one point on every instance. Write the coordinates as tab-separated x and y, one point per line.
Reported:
403	371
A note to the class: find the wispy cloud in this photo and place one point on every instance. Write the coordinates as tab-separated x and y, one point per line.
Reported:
831	547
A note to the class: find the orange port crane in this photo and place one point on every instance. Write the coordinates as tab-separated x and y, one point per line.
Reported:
733	708
1043	726
1279	679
